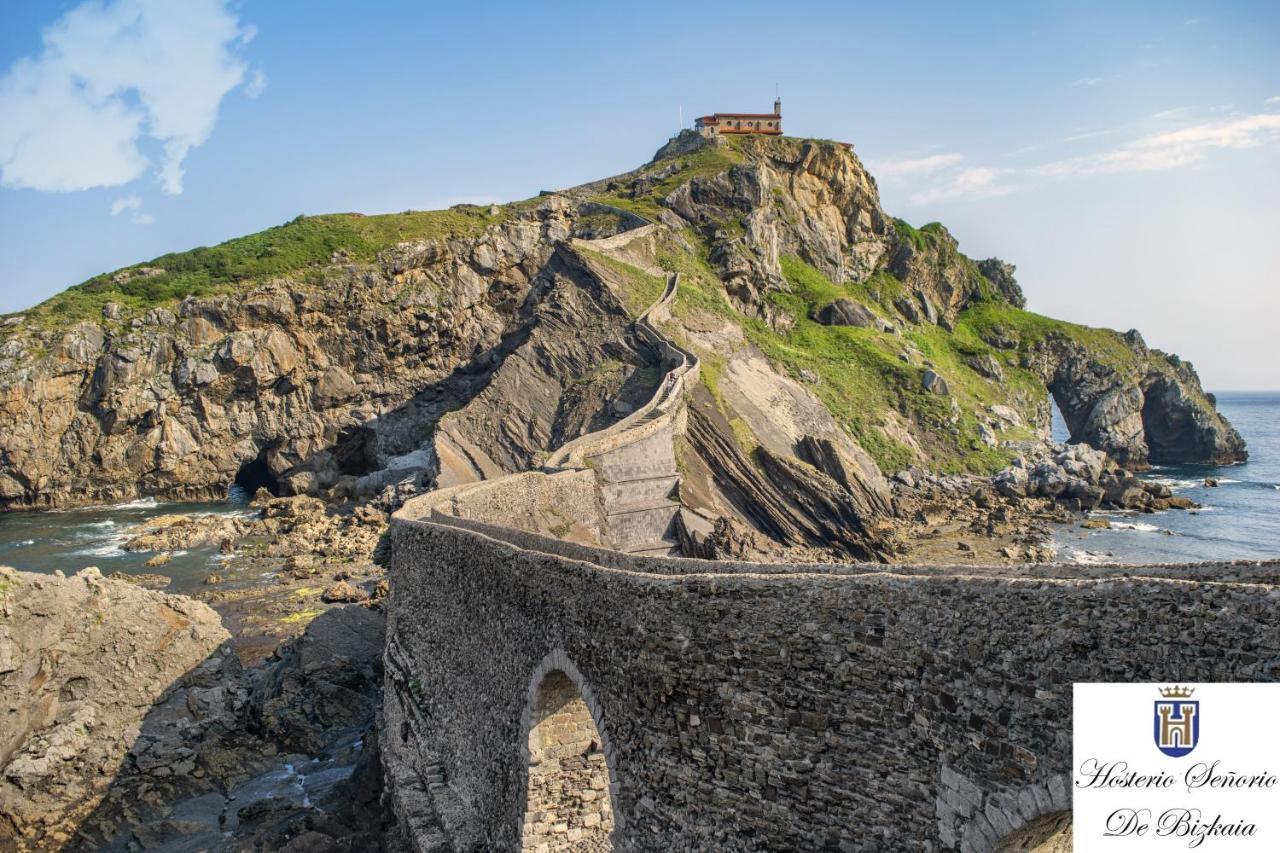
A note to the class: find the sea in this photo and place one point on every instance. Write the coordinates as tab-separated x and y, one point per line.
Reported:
72	539
1237	520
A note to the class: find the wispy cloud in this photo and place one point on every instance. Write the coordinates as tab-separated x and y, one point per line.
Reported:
978	182
891	169
109	76
256	85
1166	150
1173	113
134	204
1272	101
1087	81
120	205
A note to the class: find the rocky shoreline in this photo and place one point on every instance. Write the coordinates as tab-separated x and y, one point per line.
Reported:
265	731
252	724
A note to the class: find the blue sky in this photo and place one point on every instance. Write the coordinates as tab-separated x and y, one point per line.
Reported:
1125	156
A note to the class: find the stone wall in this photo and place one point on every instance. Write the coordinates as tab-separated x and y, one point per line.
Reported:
754	707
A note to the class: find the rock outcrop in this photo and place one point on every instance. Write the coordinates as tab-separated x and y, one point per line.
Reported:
1141	406
471	353
305	386
82	660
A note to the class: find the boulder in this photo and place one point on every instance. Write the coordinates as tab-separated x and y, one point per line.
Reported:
987	366
342	592
1000	274
846	312
934	384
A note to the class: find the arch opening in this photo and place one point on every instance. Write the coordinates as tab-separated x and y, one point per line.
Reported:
1050	833
253	475
568	800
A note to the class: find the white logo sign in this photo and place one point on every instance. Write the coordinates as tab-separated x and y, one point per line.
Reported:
1176	767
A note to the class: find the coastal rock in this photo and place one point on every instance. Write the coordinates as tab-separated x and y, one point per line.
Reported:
1153	411
1000	274
86	658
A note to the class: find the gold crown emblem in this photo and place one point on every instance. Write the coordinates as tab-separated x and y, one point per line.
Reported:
1177	692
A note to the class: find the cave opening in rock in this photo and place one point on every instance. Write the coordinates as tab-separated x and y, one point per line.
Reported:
254	475
568	800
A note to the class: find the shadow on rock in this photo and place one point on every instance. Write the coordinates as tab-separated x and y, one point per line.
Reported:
281	756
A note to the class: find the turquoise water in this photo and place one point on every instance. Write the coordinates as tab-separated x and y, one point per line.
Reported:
1240	518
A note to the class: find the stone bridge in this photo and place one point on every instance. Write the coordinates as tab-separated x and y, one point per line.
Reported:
732	706
544	694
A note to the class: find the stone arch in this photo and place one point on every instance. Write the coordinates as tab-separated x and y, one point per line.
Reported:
1024	820
571	787
1050	833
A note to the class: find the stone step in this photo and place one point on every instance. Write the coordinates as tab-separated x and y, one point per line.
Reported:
645	489
642	506
651	456
637	524
660	548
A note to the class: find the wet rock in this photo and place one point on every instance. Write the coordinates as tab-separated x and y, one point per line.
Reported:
145	579
178	532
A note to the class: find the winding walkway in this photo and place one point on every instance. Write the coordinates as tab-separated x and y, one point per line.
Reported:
716	705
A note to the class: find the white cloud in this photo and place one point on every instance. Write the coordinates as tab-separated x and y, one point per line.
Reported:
134	204
257	83
1168	114
129	202
891	169
1170	149
1154	152
1086	81
110	74
978	182
1272	101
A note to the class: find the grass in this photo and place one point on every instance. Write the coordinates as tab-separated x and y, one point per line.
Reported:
860	373
1031	329
646	190
640	289
6	585
302	244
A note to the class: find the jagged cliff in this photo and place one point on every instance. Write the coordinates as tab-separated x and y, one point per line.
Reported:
374	356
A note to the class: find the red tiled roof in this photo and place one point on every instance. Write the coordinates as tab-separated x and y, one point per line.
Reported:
746	115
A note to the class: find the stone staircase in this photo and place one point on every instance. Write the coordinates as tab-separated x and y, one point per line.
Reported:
634	460
637	481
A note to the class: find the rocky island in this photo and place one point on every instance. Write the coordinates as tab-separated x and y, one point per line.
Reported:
728	373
